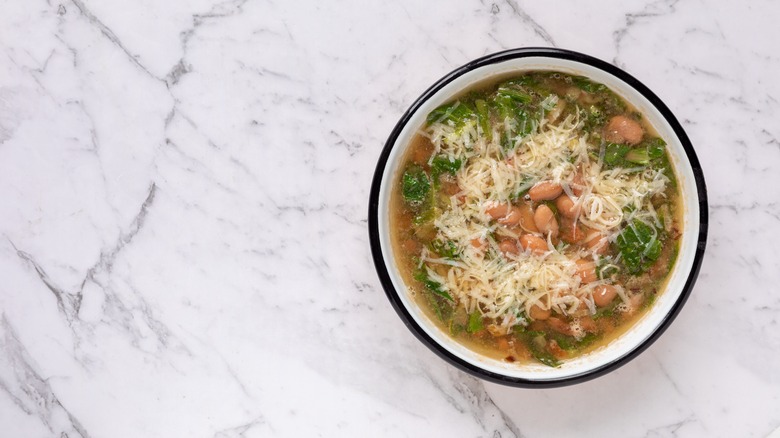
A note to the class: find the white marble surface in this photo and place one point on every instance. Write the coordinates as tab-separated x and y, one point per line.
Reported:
184	249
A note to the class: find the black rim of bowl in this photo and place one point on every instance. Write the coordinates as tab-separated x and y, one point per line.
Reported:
382	269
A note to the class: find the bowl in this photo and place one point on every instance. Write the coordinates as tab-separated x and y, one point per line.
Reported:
667	305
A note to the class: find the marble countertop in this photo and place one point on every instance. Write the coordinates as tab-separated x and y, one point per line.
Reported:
184	247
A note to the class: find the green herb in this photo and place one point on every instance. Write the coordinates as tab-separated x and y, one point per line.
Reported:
607	311
587	85
475	322
415	186
431	285
639	245
456	329
510	108
483	117
514	94
537	344
595	117
456	113
649	300
441	165
523	82
673	257
638	156
570	343
649	151
614	155
446	249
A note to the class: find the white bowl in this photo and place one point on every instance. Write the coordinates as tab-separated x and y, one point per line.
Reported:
668	303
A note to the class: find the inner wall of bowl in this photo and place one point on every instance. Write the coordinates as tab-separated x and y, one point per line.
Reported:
666	300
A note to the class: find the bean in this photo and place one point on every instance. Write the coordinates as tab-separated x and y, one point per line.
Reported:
560	326
566	206
604	294
621	129
571	232
527	218
588	324
586	271
545	191
534	244
512	217
594	239
478	243
498	210
508	246
578	184
544	218
538	314
450	188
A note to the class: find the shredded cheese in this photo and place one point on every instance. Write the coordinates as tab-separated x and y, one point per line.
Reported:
506	286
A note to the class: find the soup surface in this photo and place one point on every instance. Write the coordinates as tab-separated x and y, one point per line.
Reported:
536	218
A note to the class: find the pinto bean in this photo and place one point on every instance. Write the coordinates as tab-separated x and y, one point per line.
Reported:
534	244
498	211
566	206
588	324
513	217
544	218
545	191
508	246
621	129
578	184
604	294
594	239
586	270
527	218
450	188
560	325
538	314
505	214
571	232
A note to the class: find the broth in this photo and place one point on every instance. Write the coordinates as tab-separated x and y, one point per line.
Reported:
535	218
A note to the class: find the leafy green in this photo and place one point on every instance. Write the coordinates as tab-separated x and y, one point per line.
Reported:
595	117
415	185
456	329
510	108
638	156
445	248
651	152
640	246
614	155
529	81
570	343
607	311
456	113
432	285
514	94
475	322
649	300
483	117
537	344
438	299
587	85
441	165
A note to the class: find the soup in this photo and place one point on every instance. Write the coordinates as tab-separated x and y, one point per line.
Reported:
535	218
